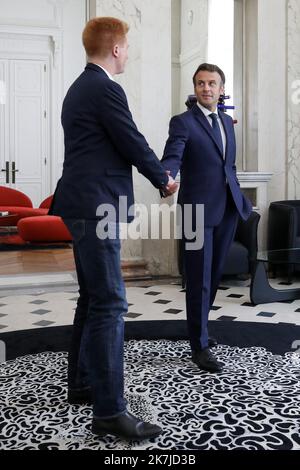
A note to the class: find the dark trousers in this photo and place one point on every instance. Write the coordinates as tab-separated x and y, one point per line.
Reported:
96	351
203	271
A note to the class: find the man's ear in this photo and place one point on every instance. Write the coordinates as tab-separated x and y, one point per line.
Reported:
116	51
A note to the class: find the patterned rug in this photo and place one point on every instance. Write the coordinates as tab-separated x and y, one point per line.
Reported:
253	404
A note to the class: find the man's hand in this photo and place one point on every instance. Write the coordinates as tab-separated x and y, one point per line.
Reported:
171	187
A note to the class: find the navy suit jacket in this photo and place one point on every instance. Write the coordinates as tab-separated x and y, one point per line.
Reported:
101	145
204	173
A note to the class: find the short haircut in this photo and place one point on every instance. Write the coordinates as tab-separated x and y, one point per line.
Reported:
101	34
209	68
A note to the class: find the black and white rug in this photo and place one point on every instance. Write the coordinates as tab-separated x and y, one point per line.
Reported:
253	404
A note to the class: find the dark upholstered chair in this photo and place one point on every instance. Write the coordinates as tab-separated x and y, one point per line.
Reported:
284	229
243	250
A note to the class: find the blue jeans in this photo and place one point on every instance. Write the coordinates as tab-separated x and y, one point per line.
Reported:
96	351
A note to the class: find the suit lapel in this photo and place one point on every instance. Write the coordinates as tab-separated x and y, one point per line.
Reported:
201	118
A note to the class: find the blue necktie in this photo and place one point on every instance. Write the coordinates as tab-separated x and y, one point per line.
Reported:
217	131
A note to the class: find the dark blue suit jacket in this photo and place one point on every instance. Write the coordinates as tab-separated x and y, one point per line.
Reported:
101	145
204	173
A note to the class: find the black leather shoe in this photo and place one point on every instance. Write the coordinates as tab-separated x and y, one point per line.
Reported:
80	396
126	426
205	360
212	342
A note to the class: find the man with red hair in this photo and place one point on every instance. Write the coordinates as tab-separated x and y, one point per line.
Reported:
101	145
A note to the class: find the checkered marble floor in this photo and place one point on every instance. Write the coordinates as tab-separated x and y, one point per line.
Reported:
35	307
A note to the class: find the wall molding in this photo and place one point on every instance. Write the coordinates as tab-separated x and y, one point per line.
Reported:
53	21
254	176
189	56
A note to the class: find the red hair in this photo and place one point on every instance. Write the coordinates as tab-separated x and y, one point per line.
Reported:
101	34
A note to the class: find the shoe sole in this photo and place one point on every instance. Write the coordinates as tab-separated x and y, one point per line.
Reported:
128	438
213	371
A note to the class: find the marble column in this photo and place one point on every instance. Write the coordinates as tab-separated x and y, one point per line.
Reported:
130	12
194	39
272	60
293	106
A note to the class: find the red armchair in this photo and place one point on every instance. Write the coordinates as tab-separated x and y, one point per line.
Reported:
18	203
34	225
45	228
46	202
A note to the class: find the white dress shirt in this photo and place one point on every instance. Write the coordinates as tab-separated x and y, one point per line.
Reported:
107	73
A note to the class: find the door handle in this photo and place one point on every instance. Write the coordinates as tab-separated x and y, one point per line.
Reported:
6	171
14	171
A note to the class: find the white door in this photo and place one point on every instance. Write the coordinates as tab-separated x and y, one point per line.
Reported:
24	127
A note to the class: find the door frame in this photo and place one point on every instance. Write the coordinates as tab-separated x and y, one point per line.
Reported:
35	43
46	126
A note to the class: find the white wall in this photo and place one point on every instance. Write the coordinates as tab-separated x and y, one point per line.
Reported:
272	96
74	58
194	37
61	22
176	46
220	40
293	154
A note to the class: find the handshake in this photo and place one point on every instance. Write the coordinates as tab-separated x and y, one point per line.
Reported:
170	188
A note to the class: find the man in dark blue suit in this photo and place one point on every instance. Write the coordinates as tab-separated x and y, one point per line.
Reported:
101	145
201	145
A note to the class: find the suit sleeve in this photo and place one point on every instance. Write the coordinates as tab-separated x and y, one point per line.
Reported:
117	121
175	145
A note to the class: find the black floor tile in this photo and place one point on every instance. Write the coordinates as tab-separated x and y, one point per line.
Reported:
132	315
173	310
265	314
226	318
44	323
40	311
